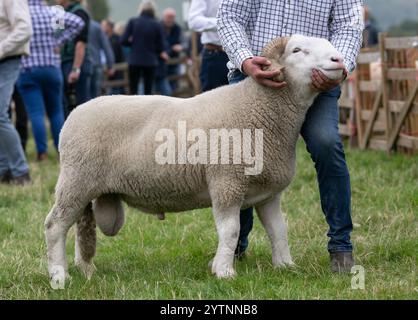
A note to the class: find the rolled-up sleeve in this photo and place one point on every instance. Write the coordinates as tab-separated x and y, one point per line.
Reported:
233	16
346	28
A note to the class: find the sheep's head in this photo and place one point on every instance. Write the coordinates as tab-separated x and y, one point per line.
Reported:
298	55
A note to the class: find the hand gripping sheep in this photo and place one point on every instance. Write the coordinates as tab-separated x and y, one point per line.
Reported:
108	149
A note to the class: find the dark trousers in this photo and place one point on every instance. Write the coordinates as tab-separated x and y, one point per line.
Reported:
214	72
320	132
138	72
77	93
21	117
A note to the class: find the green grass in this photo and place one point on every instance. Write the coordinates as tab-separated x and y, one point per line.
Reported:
151	259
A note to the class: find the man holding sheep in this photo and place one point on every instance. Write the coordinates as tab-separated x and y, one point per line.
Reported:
245	27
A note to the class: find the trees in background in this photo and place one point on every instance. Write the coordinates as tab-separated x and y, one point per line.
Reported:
405	28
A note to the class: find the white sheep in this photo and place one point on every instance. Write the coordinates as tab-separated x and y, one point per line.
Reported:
108	155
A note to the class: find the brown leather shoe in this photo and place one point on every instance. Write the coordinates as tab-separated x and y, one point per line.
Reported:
42	157
342	262
21	181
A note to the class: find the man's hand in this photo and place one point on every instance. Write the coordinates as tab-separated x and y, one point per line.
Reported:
73	76
177	48
253	67
110	72
164	56
322	83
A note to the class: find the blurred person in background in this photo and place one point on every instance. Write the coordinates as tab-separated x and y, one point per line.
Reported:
21	117
99	47
144	35
370	33
172	33
15	34
41	83
162	84
76	63
202	18
108	28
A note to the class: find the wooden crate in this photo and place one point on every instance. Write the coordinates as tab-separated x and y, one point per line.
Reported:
400	92
370	113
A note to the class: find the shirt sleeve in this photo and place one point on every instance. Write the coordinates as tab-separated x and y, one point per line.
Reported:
126	37
199	19
108	51
233	16
18	14
346	28
83	36
73	26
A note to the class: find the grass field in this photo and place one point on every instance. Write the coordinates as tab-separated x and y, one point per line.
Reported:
151	259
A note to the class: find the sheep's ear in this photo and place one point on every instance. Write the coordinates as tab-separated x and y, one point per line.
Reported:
273	51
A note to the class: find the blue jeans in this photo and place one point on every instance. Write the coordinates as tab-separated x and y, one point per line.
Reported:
320	132
12	156
81	89
41	89
162	86
96	82
214	70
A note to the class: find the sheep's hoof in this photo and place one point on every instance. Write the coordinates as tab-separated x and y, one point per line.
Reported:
86	268
226	273
58	276
223	271
283	263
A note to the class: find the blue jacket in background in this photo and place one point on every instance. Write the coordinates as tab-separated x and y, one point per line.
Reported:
98	42
144	35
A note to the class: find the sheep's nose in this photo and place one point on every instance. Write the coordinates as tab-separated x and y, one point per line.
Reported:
337	59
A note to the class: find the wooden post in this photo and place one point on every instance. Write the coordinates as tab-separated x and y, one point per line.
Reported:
385	84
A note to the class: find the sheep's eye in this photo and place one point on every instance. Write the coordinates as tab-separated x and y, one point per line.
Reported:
296	50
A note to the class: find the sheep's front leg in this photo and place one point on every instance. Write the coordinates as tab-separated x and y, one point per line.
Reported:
275	226
227	225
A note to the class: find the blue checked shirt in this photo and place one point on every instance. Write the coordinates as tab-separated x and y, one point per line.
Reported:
246	26
48	35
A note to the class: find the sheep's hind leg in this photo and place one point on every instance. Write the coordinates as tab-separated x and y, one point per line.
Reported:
57	224
227	225
275	226
85	244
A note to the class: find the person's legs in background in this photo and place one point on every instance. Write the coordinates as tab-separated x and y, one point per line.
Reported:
173	70
96	82
162	86
134	76
30	88
320	132
52	90
12	158
69	98
83	84
21	117
149	79
214	72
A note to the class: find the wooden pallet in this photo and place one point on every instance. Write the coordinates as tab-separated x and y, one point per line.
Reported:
400	92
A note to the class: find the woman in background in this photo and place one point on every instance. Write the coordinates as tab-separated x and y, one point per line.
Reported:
144	35
41	83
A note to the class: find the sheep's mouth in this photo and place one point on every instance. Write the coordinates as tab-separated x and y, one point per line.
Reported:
333	69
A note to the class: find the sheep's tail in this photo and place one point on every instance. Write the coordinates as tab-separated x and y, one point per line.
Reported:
109	214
